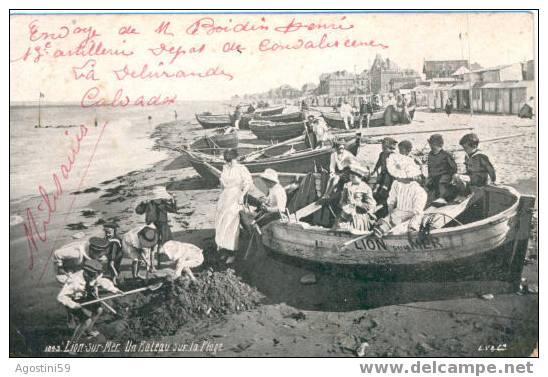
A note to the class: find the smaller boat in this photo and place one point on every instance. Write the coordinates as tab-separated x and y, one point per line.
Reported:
211	144
294	116
335	120
207	120
276	131
270	110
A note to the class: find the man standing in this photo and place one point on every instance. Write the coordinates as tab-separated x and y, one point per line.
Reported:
81	287
346	114
366	111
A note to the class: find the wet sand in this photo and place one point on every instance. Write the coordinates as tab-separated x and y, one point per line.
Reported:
330	318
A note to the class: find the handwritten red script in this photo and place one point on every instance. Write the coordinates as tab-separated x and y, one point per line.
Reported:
37	231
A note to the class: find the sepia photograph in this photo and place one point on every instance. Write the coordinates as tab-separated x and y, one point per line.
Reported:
319	183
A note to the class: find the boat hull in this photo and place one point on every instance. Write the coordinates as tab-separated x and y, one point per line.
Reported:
213	121
483	250
295	116
207	144
267	130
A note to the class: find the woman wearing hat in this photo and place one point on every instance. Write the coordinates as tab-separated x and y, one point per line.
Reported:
357	203
271	207
235	183
406	199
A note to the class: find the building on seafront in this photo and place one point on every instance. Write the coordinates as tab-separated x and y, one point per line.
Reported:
342	83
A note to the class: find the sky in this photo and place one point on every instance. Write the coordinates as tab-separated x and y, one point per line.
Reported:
487	38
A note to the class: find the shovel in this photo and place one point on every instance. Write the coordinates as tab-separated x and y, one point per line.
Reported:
152	287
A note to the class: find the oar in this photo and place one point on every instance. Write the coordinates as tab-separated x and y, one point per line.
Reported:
260	151
151	287
347	243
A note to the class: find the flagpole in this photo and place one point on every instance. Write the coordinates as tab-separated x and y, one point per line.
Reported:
39	108
469	66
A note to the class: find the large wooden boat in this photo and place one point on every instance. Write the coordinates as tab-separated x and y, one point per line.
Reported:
267	130
485	244
213	121
291	156
267	111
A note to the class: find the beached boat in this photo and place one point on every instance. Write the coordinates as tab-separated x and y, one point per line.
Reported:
267	130
208	144
291	156
335	120
294	116
267	111
489	244
213	121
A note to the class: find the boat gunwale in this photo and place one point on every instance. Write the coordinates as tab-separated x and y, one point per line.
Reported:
502	216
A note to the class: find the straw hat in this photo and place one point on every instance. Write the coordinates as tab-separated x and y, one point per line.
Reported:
270	175
93	265
98	246
402	167
148	236
159	192
358	169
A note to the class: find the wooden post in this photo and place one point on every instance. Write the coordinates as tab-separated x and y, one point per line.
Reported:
521	240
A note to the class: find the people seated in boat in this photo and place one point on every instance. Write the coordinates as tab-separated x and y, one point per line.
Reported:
250	108
406	199
346	113
271	207
235	183
338	175
384	179
441	168
237	117
404	148
479	169
357	203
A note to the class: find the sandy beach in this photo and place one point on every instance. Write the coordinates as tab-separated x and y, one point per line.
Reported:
332	318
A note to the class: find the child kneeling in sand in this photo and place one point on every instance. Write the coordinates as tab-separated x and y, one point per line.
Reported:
184	256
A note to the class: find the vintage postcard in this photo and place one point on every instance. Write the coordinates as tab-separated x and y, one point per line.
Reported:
273	184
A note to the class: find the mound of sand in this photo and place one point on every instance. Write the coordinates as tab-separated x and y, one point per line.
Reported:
162	313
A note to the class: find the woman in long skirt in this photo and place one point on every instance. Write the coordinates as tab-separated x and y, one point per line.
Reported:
235	182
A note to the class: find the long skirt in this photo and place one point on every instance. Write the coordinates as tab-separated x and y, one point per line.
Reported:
227	219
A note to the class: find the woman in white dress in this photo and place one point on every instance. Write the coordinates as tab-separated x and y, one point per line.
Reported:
235	182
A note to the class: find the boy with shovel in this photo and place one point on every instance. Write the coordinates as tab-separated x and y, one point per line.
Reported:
84	286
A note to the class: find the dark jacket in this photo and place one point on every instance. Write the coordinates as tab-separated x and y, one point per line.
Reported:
156	210
441	163
479	168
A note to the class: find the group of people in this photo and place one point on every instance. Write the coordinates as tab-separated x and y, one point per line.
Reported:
83	267
232	209
361	114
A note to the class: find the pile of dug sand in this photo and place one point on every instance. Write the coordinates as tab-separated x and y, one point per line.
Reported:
179	302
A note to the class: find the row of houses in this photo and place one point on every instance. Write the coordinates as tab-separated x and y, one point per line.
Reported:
500	90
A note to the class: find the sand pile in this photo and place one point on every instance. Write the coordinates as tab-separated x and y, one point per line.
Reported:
177	303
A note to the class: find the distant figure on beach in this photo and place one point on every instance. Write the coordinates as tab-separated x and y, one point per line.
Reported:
149	118
237	116
235	183
95	121
449	106
175	111
366	111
